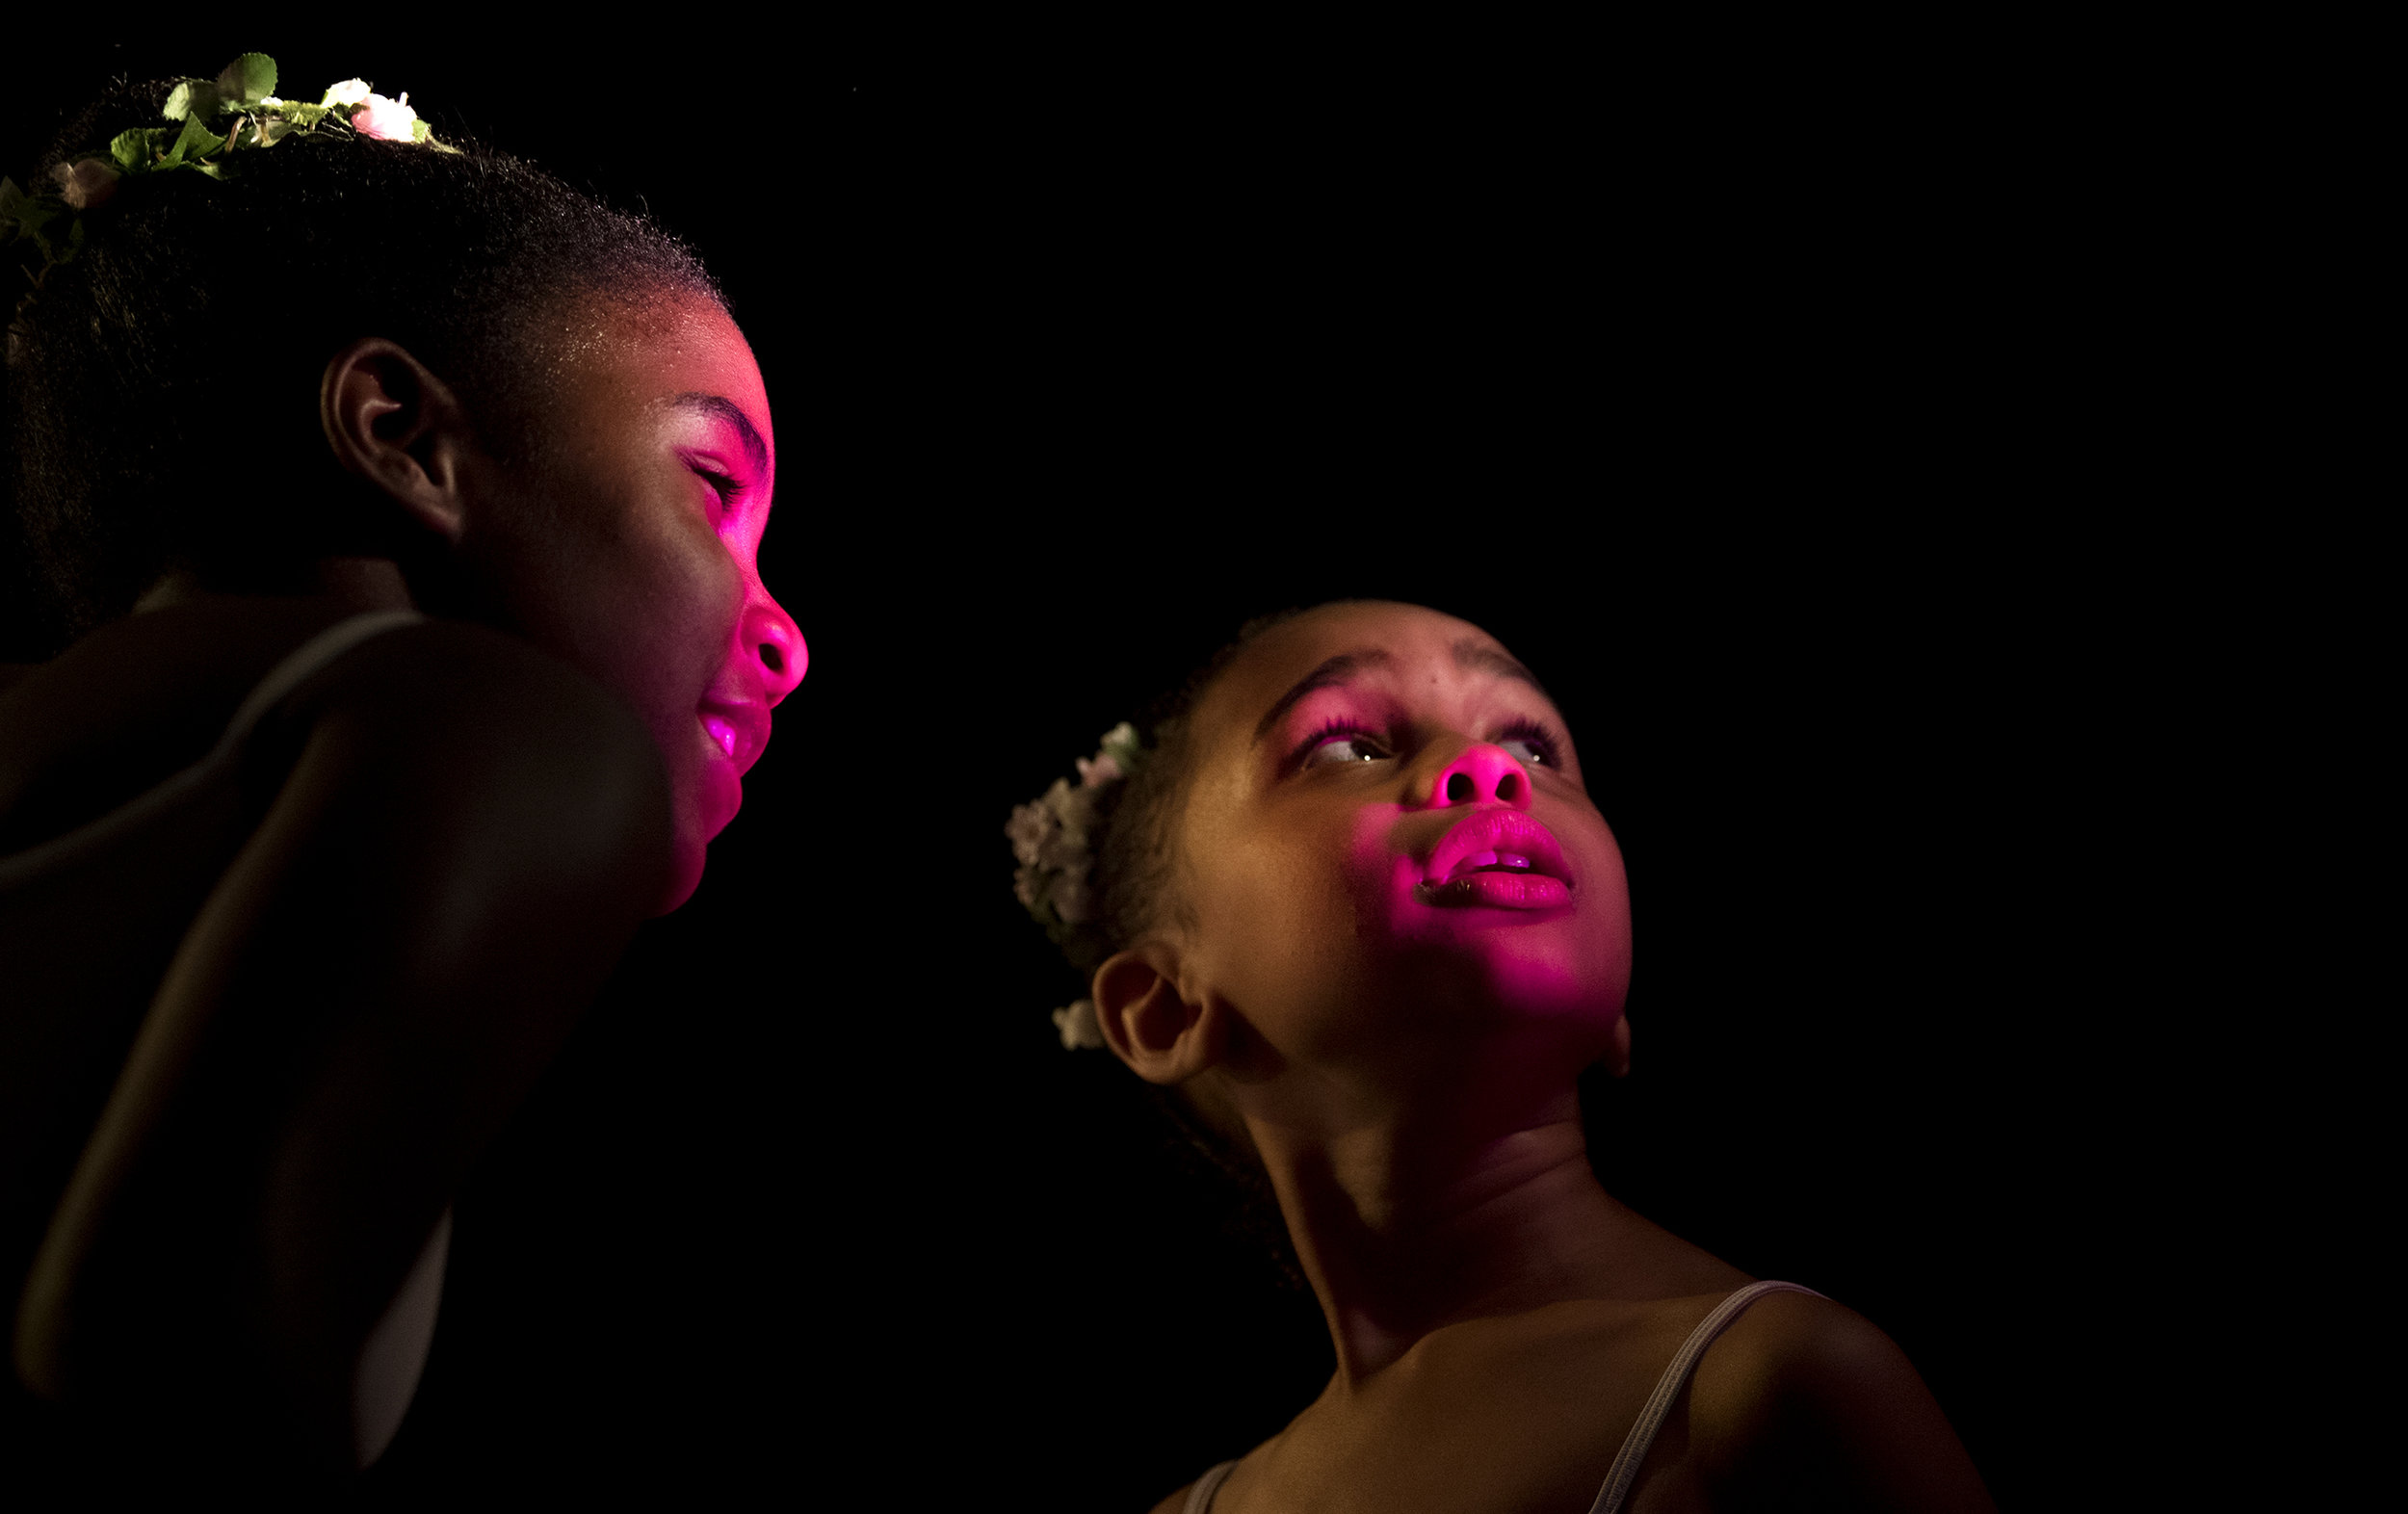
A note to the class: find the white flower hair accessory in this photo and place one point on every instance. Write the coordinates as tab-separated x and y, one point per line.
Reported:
1054	840
242	100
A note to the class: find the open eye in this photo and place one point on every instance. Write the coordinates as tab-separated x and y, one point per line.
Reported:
1531	744
1342	745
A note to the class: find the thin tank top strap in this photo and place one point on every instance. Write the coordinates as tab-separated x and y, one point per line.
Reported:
304	661
1635	1445
1200	1497
265	695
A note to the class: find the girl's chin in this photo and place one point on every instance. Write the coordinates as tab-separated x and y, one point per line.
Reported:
685	874
705	811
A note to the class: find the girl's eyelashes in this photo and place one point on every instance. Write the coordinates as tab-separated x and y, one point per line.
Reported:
1531	744
722	484
1340	742
1346	742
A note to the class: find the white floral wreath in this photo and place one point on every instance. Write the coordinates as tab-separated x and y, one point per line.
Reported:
243	98
1053	838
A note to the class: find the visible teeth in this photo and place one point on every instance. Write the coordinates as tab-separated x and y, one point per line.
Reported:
721	732
1493	862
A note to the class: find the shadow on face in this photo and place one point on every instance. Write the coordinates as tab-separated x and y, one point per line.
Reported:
626	540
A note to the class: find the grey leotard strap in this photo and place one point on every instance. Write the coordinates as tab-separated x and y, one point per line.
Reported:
1200	1497
1626	1463
281	680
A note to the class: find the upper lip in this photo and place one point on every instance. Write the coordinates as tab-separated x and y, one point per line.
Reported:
750	721
1501	830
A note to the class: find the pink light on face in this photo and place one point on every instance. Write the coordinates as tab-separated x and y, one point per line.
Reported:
1471	869
1498	855
1499	858
1393	858
722	731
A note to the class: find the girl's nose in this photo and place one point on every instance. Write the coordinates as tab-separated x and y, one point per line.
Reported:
1481	773
771	640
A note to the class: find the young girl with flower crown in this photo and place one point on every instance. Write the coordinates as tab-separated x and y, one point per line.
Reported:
1352	903
394	510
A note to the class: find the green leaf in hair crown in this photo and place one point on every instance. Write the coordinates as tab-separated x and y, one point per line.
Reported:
206	125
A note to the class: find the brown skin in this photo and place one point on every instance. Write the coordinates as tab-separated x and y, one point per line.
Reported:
626	544
1406	1073
476	819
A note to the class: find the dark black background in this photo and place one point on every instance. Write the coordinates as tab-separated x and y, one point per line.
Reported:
1790	410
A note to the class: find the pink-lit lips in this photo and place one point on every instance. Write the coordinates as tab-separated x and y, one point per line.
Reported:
1500	859
738	730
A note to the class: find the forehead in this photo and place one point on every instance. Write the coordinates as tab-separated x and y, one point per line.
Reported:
622	355
1420	644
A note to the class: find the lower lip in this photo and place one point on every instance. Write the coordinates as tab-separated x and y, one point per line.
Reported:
1499	891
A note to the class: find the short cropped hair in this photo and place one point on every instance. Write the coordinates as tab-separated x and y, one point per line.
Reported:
161	404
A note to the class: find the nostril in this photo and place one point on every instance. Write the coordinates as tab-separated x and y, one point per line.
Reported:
1459	788
771	658
1509	787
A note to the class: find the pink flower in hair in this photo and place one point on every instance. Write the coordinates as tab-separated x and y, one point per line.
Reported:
389	120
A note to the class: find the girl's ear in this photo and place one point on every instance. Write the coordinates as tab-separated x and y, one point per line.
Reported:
1162	1038
391	421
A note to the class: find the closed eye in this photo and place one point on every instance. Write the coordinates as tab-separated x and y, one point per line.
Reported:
724	485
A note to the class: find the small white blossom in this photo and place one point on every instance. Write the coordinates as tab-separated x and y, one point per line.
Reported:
1053	838
1029	826
1074	897
351	92
1120	743
1062	852
387	121
1079	1025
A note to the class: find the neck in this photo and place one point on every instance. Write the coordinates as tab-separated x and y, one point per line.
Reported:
1405	1226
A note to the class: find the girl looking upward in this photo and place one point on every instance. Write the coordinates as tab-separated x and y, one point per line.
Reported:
1353	905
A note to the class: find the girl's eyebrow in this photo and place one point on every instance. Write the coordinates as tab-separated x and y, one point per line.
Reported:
721	408
1469	655
1474	657
1337	669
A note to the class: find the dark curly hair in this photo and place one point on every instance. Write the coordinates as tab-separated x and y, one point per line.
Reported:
1136	860
1136	880
160	403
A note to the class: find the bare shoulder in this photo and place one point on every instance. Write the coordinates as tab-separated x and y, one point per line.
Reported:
148	695
455	675
487	758
1512	1414
1801	1394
